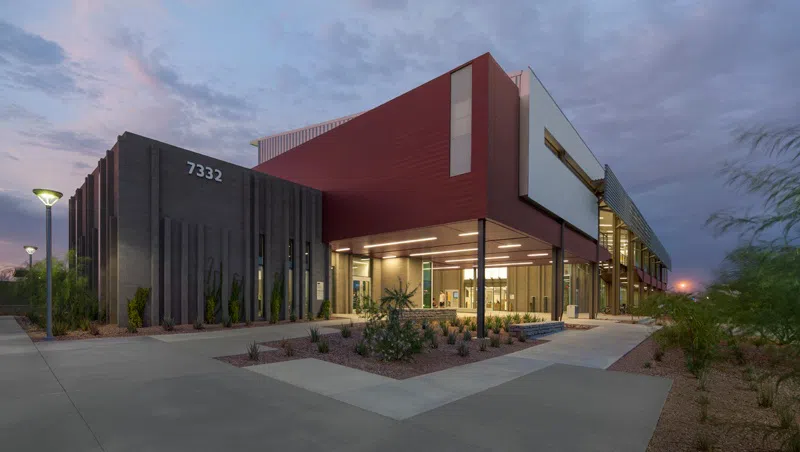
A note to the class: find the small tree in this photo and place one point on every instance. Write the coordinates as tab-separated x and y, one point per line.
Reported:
234	303
136	307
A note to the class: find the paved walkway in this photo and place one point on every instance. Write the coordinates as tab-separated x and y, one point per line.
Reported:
165	393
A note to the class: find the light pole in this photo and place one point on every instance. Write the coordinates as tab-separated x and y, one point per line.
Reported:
49	198
30	249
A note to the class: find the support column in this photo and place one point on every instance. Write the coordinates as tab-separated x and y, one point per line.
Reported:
631	264
481	287
595	298
201	272
558	278
155	236
184	272
613	301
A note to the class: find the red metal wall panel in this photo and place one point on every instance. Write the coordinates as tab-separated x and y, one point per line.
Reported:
505	205
389	169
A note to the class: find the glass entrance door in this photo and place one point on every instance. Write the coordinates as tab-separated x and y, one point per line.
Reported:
361	288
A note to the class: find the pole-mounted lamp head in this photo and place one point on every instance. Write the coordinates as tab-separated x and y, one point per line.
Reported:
48	197
30	249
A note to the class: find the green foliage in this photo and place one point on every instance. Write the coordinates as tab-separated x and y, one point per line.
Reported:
325	310
695	326
83	324
460	327
434	341
522	337
425	324
34	317
313	334
483	344
463	349
496	329
467	336
397	299
428	334
198	324
213	292
136	307
445	328
277	298
168	323
346	331
509	339
363	305
648	365
527	318
60	327
766	394
253	351
323	346
385	334
516	319
451	338
362	348
235	302
73	299
494	341
132	328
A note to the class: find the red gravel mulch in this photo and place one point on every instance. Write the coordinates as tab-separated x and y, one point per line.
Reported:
342	351
735	422
110	330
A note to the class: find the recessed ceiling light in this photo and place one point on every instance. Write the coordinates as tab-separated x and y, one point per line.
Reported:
470	259
451	267
431	253
388	257
539	255
401	242
465	234
512	245
507	264
341	250
605	225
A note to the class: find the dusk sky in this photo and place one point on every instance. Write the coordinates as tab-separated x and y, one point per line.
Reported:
656	88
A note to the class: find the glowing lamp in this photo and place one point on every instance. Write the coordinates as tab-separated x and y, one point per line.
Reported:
30	249
48	197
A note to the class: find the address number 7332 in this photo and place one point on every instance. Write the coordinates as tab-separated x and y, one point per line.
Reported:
205	171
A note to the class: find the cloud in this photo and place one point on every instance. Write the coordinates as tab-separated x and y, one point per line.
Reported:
28	48
66	140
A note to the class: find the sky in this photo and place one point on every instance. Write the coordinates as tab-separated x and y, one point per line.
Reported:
657	88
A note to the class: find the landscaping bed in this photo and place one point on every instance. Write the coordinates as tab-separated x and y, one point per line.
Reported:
342	351
733	419
578	326
37	333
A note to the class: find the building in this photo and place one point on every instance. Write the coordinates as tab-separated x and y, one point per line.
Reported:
473	187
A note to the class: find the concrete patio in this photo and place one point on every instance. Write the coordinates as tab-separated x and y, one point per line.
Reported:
167	393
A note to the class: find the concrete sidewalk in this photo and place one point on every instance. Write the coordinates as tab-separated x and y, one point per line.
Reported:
147	394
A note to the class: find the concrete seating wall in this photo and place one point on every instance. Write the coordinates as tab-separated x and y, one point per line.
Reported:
532	330
431	315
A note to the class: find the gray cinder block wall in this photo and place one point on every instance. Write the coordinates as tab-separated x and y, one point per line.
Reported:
145	221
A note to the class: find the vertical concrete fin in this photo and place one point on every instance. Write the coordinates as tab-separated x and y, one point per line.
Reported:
155	245
167	295
201	270
184	272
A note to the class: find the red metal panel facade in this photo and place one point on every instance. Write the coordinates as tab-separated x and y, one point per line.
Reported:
389	168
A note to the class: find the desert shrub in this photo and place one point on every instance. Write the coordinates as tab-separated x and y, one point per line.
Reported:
658	354
496	329
213	291
234	302
386	335
136	307
494	340
365	306
253	351
434	341
766	394
34	317
463	349
460	327
168	323
226	321
198	324
313	334
346	331
522	337
83	324
483	344
427	334
785	416
695	328
445	328
509	339
467	336
451	338
425	324
60	327
288	349
132	328
362	348
325	310
516	318
527	318
704	442
323	346
94	329
648	365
